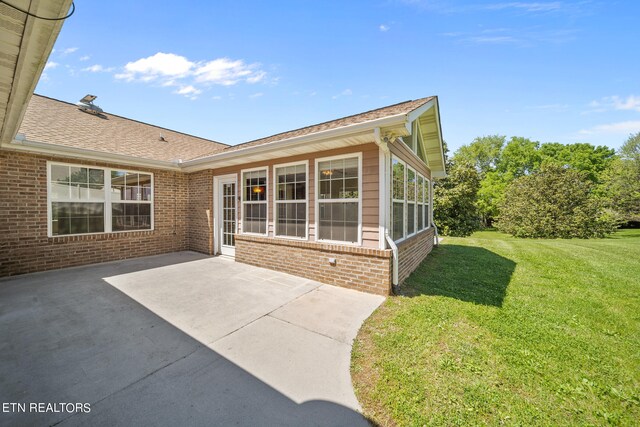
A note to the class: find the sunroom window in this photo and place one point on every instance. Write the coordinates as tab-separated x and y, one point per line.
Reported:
339	199
411	201
398	196
420	201
291	200
254	201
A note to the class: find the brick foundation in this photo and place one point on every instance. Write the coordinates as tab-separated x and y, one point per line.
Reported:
363	269
412	252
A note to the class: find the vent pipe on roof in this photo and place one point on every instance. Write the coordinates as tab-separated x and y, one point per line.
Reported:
86	105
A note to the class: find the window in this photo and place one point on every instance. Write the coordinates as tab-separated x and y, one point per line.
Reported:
84	200
398	173
411	201
130	201
420	202
427	202
291	200
339	199
254	201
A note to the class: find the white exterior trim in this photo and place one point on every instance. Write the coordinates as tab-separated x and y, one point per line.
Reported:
107	199
306	200
359	200
266	200
217	210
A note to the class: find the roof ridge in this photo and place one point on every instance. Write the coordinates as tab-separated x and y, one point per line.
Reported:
329	121
139	121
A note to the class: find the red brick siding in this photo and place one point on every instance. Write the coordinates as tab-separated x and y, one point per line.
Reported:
200	215
25	247
412	252
363	269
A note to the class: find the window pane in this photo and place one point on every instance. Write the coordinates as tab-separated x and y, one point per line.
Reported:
76	218
420	189
411	224
338	221
398	180
79	175
130	216
60	173
254	218
420	217
411	185
398	220
255	185
426	215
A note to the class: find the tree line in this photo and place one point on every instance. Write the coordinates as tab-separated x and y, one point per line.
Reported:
529	189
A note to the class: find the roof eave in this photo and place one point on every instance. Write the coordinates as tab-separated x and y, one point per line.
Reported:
23	145
36	43
330	134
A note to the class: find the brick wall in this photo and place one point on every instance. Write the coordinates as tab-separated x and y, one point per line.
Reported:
25	247
200	212
412	252
363	269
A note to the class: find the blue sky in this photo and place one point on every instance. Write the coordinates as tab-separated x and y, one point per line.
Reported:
232	71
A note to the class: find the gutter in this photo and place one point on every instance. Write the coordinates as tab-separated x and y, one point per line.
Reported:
351	130
24	145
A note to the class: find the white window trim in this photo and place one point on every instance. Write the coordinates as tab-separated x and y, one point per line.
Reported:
408	202
266	200
275	201
359	199
403	201
107	199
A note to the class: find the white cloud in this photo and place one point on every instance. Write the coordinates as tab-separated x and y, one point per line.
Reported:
527	7
346	92
227	72
85	58
630	126
158	65
69	50
608	103
189	91
97	68
383	28
50	65
171	70
256	95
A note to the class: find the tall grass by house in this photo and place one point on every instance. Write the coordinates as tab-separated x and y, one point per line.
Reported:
495	330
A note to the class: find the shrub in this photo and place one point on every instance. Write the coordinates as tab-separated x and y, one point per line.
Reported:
554	202
454	202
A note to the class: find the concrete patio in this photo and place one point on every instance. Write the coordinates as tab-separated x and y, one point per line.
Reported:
179	339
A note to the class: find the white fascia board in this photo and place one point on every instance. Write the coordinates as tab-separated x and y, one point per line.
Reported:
345	131
23	145
418	112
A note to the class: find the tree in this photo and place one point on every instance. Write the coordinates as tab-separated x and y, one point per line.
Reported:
555	202
591	160
483	153
621	181
454	203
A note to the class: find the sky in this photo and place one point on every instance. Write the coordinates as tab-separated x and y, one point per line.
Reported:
233	71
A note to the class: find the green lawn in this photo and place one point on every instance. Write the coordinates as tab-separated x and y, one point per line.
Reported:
496	330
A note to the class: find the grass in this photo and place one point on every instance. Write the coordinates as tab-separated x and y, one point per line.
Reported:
494	330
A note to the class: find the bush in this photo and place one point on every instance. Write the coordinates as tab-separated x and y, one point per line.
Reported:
454	202
555	202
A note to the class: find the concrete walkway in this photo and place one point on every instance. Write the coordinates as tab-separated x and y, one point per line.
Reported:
179	339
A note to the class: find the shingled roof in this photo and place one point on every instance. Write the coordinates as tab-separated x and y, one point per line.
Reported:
392	110
61	123
56	122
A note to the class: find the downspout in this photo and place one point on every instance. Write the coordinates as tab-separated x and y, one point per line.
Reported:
383	144
435	227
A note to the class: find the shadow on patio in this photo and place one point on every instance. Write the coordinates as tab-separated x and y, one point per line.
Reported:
68	336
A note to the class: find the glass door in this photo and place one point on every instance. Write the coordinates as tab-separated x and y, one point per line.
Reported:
228	216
